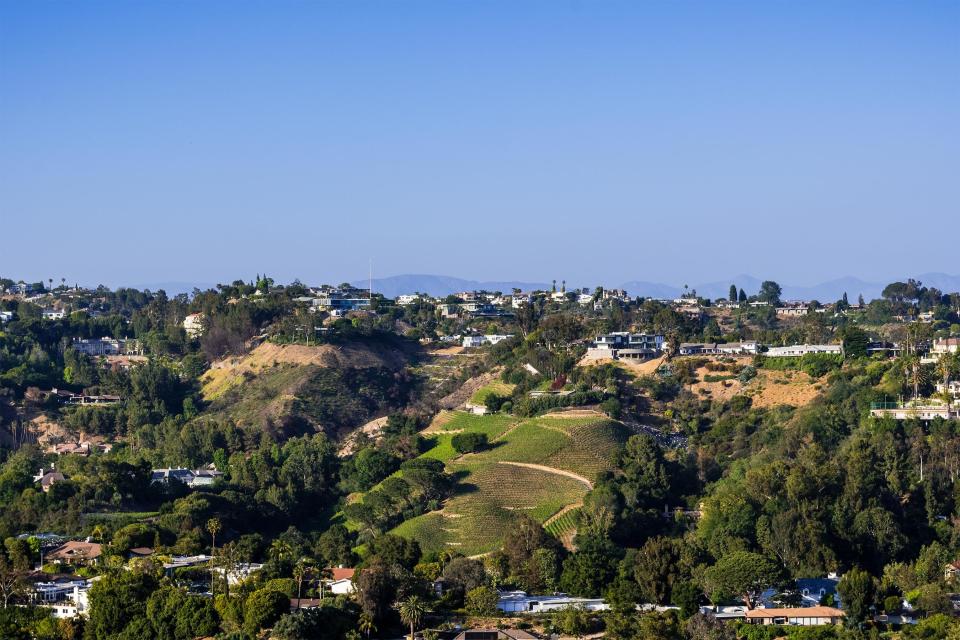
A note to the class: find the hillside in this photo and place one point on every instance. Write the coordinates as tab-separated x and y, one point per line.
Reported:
296	388
541	466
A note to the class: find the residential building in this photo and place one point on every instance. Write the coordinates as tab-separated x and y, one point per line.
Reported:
66	597
799	350
48	478
494	634
793	310
623	344
798	616
195	324
883	348
340	581
408	298
69	397
520	602
191	477
239	573
748	347
919	410
940	347
106	346
6	316
76	553
54	314
814	590
183	562
517	300
952	387
479	341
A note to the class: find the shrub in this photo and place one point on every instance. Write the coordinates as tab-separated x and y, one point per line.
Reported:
469	441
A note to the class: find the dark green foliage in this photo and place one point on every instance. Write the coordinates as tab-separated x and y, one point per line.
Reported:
469	441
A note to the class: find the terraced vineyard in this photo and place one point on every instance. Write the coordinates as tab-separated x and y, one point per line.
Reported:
498	387
567	453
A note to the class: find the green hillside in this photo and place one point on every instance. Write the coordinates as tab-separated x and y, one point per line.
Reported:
538	466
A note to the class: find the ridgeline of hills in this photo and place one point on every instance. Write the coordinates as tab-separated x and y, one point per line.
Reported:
437	285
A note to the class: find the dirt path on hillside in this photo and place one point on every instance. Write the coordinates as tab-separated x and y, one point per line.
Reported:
559	472
559	514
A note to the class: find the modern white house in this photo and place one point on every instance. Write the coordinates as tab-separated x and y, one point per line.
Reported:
408	298
54	314
624	344
520	602
66	598
479	341
748	347
799	350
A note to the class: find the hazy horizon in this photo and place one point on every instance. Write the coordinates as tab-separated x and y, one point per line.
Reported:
597	142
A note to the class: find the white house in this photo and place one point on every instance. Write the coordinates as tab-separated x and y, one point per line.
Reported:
623	344
194	324
6	316
54	314
340	581
408	298
520	602
190	477
66	598
799	350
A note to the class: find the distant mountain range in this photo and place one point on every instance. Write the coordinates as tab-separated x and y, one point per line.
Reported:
829	291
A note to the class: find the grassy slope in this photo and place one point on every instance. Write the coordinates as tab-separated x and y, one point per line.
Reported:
490	494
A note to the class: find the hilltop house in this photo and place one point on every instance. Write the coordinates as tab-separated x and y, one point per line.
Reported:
48	478
76	553
479	341
194	324
66	597
191	477
520	602
748	347
623	344
106	346
940	347
799	350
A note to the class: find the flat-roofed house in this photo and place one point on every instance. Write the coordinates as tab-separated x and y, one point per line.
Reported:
797	616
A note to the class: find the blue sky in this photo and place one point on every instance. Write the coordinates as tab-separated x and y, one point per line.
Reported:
592	141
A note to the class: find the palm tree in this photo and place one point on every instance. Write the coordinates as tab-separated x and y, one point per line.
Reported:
280	550
366	624
412	611
301	570
213	528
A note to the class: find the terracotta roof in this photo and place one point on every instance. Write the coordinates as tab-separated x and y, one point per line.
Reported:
796	612
141	551
74	550
341	573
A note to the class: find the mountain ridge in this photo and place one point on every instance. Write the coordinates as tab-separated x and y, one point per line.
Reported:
828	291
